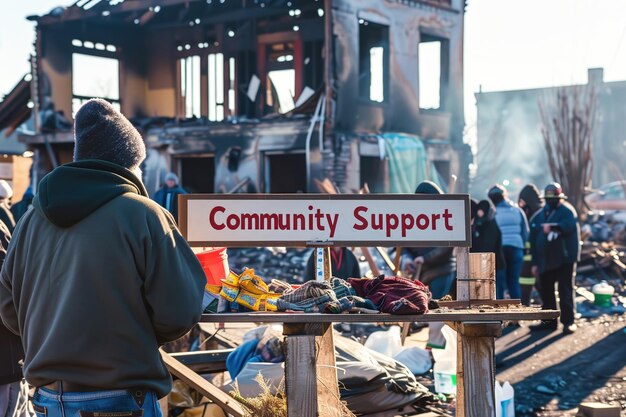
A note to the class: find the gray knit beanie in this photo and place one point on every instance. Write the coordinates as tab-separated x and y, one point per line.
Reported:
101	132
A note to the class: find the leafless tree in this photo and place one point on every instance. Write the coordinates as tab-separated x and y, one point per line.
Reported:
568	121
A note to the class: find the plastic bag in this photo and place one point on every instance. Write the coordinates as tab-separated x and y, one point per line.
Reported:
445	363
505	400
386	342
416	359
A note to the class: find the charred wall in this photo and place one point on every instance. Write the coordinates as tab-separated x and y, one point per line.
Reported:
400	111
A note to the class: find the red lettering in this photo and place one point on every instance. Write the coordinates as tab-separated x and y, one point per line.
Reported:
212	222
361	219
435	218
379	225
233	222
391	221
446	217
422	222
407	223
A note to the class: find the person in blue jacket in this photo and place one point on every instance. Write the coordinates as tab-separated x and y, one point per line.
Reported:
167	196
514	228
555	250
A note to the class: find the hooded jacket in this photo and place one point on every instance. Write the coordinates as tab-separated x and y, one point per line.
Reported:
486	236
96	277
11	352
438	261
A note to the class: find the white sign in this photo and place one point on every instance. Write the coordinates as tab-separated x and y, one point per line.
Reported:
339	220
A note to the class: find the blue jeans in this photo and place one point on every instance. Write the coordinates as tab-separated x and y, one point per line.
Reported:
508	277
115	403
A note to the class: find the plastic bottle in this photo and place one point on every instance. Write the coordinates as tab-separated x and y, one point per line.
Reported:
505	400
603	292
445	364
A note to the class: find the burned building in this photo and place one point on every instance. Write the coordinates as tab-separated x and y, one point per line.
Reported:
262	95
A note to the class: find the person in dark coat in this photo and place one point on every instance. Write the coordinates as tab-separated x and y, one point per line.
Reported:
344	264
438	270
6	217
11	351
555	249
18	209
438	265
486	236
167	196
107	280
530	202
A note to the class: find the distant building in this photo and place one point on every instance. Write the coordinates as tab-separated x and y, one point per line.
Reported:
511	146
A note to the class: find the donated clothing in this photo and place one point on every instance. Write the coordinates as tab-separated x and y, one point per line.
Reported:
551	251
238	358
344	265
168	198
394	295
512	224
97	319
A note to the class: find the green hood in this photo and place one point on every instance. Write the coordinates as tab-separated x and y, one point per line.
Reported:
73	191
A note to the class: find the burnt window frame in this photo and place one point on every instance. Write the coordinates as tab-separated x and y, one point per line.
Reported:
100	53
364	67
203	50
444	69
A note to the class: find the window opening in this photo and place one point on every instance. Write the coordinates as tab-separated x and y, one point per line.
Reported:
94	76
190	85
281	77
433	72
216	87
373	61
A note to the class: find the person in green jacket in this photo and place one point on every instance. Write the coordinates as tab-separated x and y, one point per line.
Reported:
97	277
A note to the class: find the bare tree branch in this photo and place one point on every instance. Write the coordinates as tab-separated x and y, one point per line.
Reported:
568	121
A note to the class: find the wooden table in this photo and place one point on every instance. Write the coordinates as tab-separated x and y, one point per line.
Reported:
446	315
310	374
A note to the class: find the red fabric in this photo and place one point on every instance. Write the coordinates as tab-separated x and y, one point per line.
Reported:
393	295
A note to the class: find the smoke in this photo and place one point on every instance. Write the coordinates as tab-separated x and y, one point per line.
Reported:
510	144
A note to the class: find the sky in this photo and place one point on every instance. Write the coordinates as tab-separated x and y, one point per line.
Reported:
509	44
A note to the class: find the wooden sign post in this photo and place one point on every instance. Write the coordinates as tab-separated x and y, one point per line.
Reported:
359	220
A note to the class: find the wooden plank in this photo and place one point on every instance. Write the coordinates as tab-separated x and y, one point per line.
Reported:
165	410
383	253
397	260
516	302
370	261
522	313
328	398
476	375
482	276
476	339
300	376
462	274
201	385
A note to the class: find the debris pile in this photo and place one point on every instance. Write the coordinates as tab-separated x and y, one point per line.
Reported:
285	264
